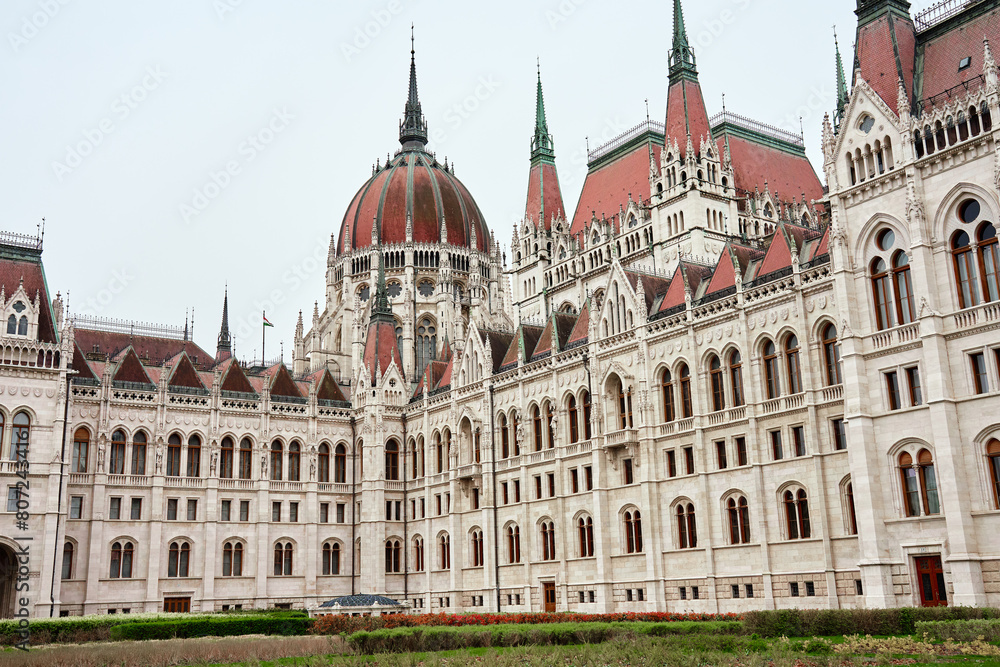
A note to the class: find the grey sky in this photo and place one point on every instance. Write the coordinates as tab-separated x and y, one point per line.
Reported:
199	77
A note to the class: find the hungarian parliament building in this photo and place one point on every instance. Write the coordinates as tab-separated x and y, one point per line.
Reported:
725	381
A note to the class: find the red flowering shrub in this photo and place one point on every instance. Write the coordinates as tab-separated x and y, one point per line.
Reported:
337	624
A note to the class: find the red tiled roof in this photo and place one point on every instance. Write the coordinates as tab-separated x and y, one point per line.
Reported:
233	377
381	348
130	369
606	189
449	369
156	350
544	196
877	56
582	326
725	272
81	366
184	373
942	55
686	114
326	387
823	247
11	273
757	166
652	286
500	343
281	382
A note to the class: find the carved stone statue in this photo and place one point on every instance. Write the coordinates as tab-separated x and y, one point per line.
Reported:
100	454
212	462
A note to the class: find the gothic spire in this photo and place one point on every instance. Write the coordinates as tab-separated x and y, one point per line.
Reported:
225	346
541	143
841	84
381	311
413	127
682	61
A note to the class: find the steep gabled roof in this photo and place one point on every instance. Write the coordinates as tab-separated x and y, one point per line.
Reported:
610	181
281	382
731	267
326	387
233	377
581	327
381	349
500	342
81	365
156	350
130	368
20	263
652	286
183	373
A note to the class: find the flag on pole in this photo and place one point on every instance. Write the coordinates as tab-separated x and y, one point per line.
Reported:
266	323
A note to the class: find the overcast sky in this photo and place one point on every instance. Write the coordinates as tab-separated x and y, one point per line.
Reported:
175	146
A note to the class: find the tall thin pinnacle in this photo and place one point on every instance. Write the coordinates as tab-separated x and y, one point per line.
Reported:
413	127
681	54
841	81
381	311
541	143
225	338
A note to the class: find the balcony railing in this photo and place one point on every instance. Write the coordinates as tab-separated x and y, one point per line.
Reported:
896	336
621	438
970	317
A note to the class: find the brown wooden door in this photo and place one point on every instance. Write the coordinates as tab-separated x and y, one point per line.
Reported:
177	604
931	580
549	594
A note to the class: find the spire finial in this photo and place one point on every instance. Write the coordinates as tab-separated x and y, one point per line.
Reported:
225	344
681	57
413	127
841	83
541	144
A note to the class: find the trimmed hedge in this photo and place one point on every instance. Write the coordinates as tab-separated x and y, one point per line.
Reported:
828	622
273	624
960	631
443	638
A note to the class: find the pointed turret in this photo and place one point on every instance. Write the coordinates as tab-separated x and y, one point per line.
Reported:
841	86
686	115
381	346
544	201
413	127
224	349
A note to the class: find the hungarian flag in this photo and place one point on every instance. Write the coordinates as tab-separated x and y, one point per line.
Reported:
266	323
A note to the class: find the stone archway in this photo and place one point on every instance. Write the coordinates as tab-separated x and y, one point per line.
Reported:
8	577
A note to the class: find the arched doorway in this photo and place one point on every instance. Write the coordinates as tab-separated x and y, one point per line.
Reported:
8	577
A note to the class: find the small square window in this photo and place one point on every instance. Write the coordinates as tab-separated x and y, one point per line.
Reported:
793	589
276	511
592	596
964	63
582	598
324	512
749	588
588	473
694	592
640	594
858	588
76	507
293	512
810	589
839	434
171	509
341	511
671	464
684	593
192	513
551	479
627	467
244	510
628	594
574	480
225	509
689	460
538	487
736	590
799	440
115	512
720	454
741	451
777	452
892	390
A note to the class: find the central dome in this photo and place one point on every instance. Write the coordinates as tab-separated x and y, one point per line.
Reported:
413	185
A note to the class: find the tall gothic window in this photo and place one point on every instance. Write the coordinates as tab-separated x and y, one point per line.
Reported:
574	427
633	532
687	532
174	456
881	291
667	394
194	456
794	368
81	449
585	526
771	370
718	387
226	461
739	520
294	461
586	415
340	465
965	270
392	460
687	408
797	515
736	377
426	343
904	288
116	463
277	456
324	462
246	458
920	491
831	355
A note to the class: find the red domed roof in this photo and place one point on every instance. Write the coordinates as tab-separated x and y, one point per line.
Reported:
413	184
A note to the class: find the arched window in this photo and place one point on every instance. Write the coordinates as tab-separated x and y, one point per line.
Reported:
232	559
282	559
447	449
246	458
513	430
392	460
392	557
536	423
989	261
331	558
904	289
881	291
667	395
174	455
585	527
139	453
586	415
81	449
548	540
418	554
121	560
792	361
513	544
687	408
574	428
736	377
439	450
965	271
22	326
116	460
993	453
194	456
633	532
12	325
771	370
687	533
67	561
277	457
178	557
340	465
504	437
426	343
919	484
226	461
831	356
444	551
797	515
739	520
852	516
324	462
294	461
718	388
477	548
548	422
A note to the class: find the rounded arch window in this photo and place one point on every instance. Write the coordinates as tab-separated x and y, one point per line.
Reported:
968	210
885	239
